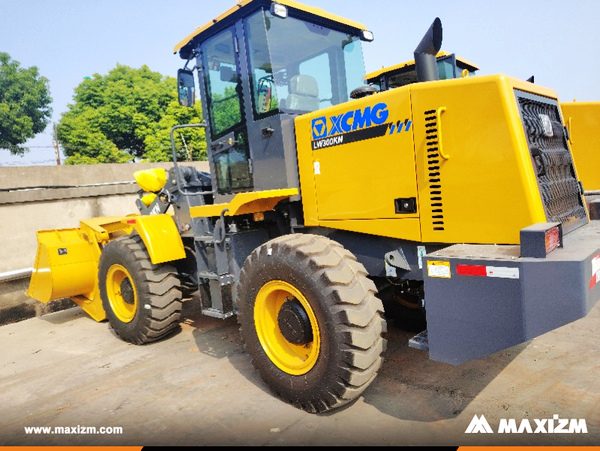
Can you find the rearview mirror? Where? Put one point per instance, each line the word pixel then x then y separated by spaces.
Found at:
pixel 186 90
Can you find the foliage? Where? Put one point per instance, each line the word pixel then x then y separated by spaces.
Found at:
pixel 24 104
pixel 226 109
pixel 125 116
pixel 189 142
pixel 87 144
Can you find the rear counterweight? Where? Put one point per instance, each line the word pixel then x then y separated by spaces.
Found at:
pixel 481 299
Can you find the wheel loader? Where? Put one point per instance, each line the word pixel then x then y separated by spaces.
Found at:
pixel 581 119
pixel 459 197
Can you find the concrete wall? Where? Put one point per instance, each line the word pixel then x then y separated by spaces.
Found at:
pixel 57 197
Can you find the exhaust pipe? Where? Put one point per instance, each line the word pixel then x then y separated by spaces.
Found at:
pixel 430 45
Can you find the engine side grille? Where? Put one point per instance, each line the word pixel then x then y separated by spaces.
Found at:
pixel 552 161
pixel 433 166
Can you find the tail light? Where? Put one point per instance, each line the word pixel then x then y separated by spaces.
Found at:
pixel 539 240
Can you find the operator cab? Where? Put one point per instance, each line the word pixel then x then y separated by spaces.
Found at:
pixel 260 65
pixel 449 66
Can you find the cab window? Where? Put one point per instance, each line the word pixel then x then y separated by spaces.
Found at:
pixel 222 83
pixel 229 144
pixel 262 82
pixel 316 69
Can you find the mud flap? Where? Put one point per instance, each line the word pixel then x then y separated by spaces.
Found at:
pixel 483 298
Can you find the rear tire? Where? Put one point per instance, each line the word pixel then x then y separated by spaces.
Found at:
pixel 310 321
pixel 142 300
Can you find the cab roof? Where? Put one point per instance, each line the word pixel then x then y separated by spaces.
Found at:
pixel 244 7
pixel 461 62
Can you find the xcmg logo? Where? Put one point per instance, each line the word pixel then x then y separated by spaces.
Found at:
pixel 555 425
pixel 349 121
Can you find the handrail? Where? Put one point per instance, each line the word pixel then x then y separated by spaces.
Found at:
pixel 221 228
pixel 177 176
pixel 438 115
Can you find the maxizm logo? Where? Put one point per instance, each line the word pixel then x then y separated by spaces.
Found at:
pixel 555 425
pixel 350 121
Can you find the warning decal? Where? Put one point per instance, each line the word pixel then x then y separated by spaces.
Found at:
pixel 438 269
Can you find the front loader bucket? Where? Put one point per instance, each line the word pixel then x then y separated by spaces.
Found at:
pixel 66 266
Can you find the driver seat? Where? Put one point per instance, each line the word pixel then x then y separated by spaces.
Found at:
pixel 304 93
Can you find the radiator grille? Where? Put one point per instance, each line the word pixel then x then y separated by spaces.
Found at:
pixel 552 161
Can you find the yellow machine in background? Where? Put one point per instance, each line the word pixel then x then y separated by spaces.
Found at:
pixel 583 123
pixel 449 65
pixel 328 201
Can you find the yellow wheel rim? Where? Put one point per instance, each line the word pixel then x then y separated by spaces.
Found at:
pixel 288 357
pixel 124 305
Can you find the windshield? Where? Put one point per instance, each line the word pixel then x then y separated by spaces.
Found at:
pixel 298 66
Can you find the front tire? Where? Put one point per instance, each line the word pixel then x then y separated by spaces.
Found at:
pixel 310 321
pixel 142 300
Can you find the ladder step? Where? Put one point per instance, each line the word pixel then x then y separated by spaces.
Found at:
pixel 419 341
pixel 208 275
pixel 205 238
pixel 214 313
pixel 209 239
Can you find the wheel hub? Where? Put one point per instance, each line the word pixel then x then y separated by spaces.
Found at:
pixel 294 323
pixel 127 291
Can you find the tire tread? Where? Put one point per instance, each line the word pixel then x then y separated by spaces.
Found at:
pixel 357 311
pixel 159 293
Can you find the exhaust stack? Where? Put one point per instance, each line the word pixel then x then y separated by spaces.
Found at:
pixel 430 45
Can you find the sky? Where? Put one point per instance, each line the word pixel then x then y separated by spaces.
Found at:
pixel 554 40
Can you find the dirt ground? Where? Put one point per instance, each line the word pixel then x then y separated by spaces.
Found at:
pixel 198 387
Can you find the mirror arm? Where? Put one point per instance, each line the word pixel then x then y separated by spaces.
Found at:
pixel 193 55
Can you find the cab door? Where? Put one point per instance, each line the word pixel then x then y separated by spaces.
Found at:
pixel 227 136
pixel 270 163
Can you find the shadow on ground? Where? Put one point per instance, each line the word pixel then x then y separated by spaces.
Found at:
pixel 409 386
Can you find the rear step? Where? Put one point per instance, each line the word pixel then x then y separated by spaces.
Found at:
pixel 419 341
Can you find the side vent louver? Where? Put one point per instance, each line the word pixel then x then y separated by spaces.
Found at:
pixel 433 166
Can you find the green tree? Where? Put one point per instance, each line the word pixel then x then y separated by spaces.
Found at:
pixel 190 143
pixel 122 117
pixel 226 109
pixel 24 104
pixel 84 142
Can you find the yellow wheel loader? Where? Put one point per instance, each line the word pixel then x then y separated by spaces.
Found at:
pixel 458 196
pixel 582 120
